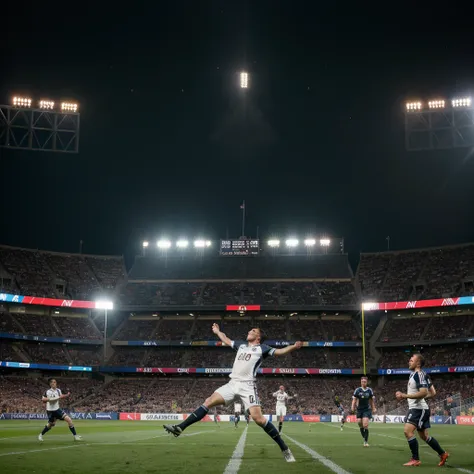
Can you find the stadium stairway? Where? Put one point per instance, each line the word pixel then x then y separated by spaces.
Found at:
pixel 21 353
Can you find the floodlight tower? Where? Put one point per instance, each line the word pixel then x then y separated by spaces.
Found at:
pixel 244 80
pixel 439 124
pixel 40 126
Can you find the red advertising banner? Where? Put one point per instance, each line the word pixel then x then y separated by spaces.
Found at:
pixel 465 420
pixel 130 416
pixel 391 305
pixel 242 308
pixel 311 418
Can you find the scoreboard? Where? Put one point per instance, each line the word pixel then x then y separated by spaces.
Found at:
pixel 240 248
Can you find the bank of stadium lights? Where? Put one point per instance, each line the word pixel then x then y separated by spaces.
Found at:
pixel 244 80
pixel 163 244
pixel 68 107
pixel 46 104
pixel 291 243
pixel 310 242
pixel 412 106
pixel 24 102
pixel 436 104
pixel 325 242
pixel 145 244
pixel 273 243
pixel 182 244
pixel 462 102
pixel 201 244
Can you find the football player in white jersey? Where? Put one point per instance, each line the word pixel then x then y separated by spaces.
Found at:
pixel 250 354
pixel 281 397
pixel 51 397
pixel 418 417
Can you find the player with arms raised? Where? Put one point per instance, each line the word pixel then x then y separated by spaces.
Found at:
pixel 281 397
pixel 418 418
pixel 51 397
pixel 341 410
pixel 364 398
pixel 250 355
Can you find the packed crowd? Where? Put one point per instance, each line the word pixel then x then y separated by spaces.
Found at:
pixel 56 275
pixel 417 274
pixel 278 293
pixel 312 395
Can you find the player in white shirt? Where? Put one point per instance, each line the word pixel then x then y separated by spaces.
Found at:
pixel 282 398
pixel 250 355
pixel 237 413
pixel 418 418
pixel 51 397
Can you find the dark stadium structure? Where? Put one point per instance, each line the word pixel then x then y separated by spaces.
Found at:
pixel 159 333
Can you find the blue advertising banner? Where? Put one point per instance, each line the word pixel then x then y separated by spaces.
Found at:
pixel 24 337
pixel 270 342
pixel 30 365
pixel 432 370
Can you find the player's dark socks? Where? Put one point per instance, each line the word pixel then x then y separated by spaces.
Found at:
pixel 280 426
pixel 270 429
pixel 45 429
pixel 413 443
pixel 433 444
pixel 362 432
pixel 366 435
pixel 73 430
pixel 195 416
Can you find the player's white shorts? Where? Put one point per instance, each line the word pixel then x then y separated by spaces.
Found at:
pixel 245 391
pixel 281 410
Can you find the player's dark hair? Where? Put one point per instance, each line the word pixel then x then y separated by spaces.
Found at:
pixel 262 334
pixel 421 359
pixel 365 377
pixel 50 380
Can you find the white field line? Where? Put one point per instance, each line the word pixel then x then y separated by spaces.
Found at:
pixel 235 461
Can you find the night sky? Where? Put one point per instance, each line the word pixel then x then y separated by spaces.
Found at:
pixel 171 146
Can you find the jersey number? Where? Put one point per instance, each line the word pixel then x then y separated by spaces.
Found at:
pixel 245 356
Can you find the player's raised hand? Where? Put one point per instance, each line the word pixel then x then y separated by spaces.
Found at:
pixel 298 344
pixel 215 328
pixel 398 395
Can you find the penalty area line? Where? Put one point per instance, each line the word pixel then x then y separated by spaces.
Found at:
pixel 319 457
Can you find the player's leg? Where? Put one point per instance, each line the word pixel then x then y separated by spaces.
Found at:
pixel 236 419
pixel 409 431
pixel 282 413
pixel 434 445
pixel 365 427
pixel 48 426
pixel 214 400
pixel 269 428
pixel 68 420
pixel 361 426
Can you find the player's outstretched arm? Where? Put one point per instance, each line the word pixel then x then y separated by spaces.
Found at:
pixel 422 393
pixel 221 335
pixel 288 349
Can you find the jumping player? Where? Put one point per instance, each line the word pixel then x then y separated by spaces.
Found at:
pixel 341 410
pixel 237 413
pixel 250 355
pixel 364 398
pixel 51 397
pixel 418 417
pixel 281 397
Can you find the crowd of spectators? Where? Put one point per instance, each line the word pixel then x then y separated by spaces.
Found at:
pixel 311 395
pixel 417 274
pixel 58 275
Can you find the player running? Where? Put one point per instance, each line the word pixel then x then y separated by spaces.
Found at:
pixel 418 417
pixel 364 398
pixel 341 410
pixel 51 397
pixel 250 355
pixel 281 397
pixel 237 413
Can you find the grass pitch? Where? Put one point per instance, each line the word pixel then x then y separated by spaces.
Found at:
pixel 143 447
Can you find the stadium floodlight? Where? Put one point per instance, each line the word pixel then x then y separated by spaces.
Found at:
pixel 325 242
pixel 292 242
pixel 163 244
pixel 274 243
pixel 182 244
pixel 199 244
pixel 310 242
pixel 413 106
pixel 436 104
pixel 21 102
pixel 46 104
pixel 244 80
pixel 104 304
pixel 145 244
pixel 68 107
pixel 208 243
pixel 462 102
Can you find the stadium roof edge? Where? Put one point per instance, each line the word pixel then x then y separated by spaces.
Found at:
pixel 419 249
pixel 68 254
